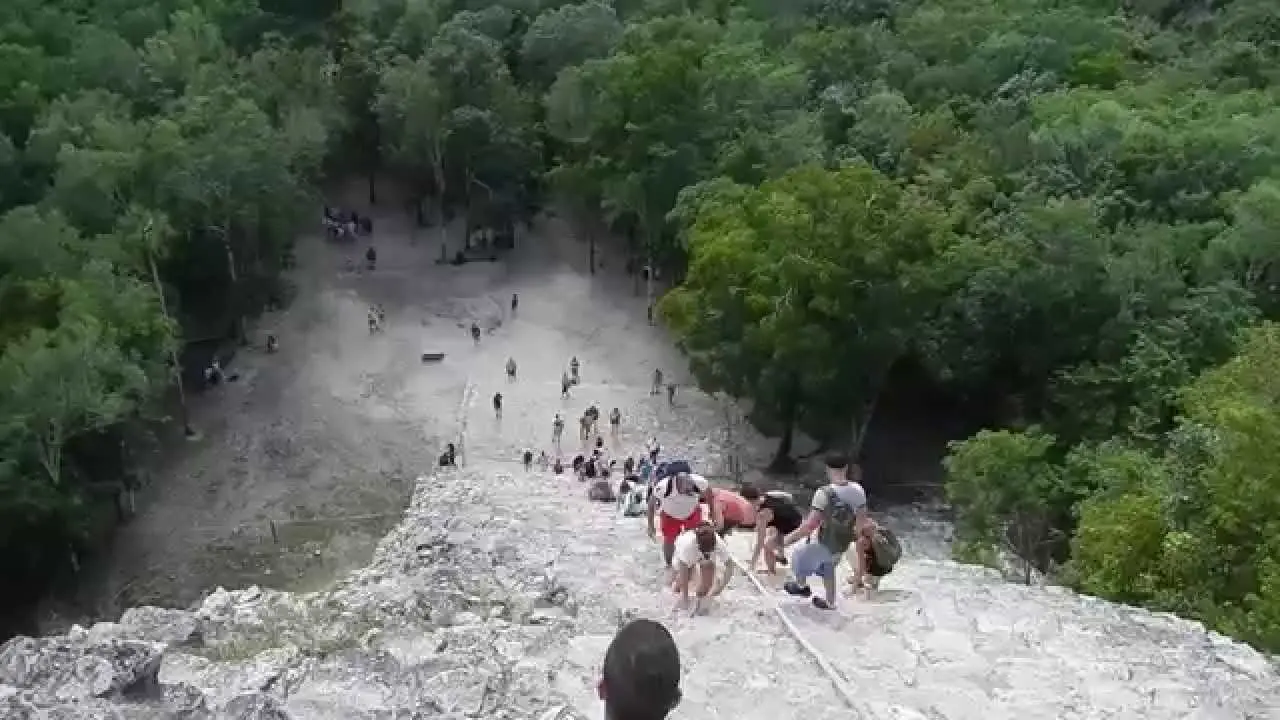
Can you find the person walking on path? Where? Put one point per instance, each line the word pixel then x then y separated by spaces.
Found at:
pixel 837 510
pixel 475 333
pixel 515 303
pixel 511 369
pixel 497 405
pixel 557 431
pixel 573 370
pixel 615 420
pixel 564 386
pixel 671 393
pixel 657 382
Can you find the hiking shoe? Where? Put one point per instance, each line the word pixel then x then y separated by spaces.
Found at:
pixel 821 604
pixel 795 588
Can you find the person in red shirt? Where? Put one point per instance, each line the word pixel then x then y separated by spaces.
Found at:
pixel 734 510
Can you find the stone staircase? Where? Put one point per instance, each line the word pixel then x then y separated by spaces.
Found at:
pixel 497 595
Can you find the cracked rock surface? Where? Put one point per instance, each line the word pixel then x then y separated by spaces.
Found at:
pixel 498 593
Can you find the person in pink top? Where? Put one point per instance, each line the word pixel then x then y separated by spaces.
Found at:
pixel 734 509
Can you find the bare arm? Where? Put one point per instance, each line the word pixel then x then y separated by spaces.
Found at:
pixel 725 577
pixel 683 578
pixel 811 523
pixel 763 517
pixel 859 561
pixel 708 497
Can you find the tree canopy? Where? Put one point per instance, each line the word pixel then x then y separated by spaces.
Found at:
pixel 1065 208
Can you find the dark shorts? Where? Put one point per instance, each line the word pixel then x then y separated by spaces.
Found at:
pixel 874 569
pixel 731 526
pixel 784 529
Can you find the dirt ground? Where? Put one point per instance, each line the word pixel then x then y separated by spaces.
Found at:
pixel 306 460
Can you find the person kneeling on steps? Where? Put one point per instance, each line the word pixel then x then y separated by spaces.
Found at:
pixel 698 552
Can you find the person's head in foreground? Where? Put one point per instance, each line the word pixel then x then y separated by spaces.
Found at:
pixel 641 675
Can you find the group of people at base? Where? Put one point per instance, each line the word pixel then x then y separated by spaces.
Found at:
pixel 836 525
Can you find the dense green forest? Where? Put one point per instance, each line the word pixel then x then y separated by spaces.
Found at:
pixel 1066 207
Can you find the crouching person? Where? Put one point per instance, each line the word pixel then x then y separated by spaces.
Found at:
pixel 874 554
pixel 698 552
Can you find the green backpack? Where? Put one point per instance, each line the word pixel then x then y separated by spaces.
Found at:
pixel 885 548
pixel 838 523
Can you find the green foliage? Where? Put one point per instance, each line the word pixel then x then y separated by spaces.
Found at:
pixel 568 36
pixel 1008 493
pixel 135 135
pixel 1208 548
pixel 804 292
pixel 1068 207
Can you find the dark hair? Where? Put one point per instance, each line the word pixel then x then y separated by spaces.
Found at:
pixel 837 460
pixel 706 535
pixel 641 673
pixel 749 492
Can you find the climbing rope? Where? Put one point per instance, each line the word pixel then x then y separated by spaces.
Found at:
pixel 833 675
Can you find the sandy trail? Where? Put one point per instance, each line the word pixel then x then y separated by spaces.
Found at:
pixel 323 439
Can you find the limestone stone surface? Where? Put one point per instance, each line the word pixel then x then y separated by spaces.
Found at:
pixel 496 597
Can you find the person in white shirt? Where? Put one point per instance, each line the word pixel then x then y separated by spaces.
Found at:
pixel 676 502
pixel 700 550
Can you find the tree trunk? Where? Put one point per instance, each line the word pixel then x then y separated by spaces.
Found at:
pixel 591 249
pixel 782 461
pixel 173 349
pixel 235 283
pixel 466 208
pixel 641 268
pixel 51 456
pixel 437 168
pixel 648 279
pixel 862 418
pixel 373 187
pixel 782 457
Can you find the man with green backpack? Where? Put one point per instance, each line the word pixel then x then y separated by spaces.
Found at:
pixel 836 512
